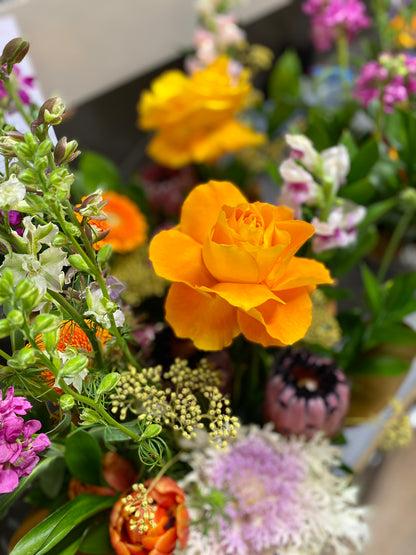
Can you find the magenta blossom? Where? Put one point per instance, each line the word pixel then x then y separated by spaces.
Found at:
pixel 331 19
pixel 24 86
pixel 18 446
pixel 391 78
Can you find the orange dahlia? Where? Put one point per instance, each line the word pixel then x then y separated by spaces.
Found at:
pixel 127 224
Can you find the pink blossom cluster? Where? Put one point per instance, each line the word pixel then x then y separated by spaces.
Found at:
pixel 24 85
pixel 18 446
pixel 333 18
pixel 391 78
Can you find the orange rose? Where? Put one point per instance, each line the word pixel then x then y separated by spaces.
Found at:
pixel 195 117
pixel 234 270
pixel 166 500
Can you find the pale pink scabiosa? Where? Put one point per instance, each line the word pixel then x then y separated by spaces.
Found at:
pixel 18 446
pixel 307 394
pixel 279 496
pixel 331 19
pixel 340 230
pixel 391 78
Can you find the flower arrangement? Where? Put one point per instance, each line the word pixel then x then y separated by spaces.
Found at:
pixel 181 357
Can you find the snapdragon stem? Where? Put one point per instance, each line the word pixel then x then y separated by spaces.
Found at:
pixel 8 85
pixel 100 410
pixel 394 242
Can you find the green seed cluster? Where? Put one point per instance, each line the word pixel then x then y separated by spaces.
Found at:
pixel 191 399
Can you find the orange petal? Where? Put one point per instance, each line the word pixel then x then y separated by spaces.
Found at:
pixel 302 271
pixel 169 153
pixel 242 295
pixel 230 263
pixel 178 257
pixel 202 206
pixel 208 320
pixel 285 323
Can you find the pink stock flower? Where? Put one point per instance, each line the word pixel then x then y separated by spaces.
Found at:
pixel 340 229
pixel 332 18
pixel 18 446
pixel 24 84
pixel 391 78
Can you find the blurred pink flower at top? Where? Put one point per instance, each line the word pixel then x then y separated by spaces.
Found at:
pixel 24 86
pixel 340 229
pixel 227 31
pixel 18 446
pixel 331 18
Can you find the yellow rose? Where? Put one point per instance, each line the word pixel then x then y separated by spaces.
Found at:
pixel 234 270
pixel 195 117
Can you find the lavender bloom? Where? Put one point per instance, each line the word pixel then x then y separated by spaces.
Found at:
pixel 333 18
pixel 18 447
pixel 279 497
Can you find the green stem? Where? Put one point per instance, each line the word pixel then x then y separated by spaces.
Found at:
pixel 79 319
pixel 4 355
pixel 100 410
pixel 8 85
pixel 163 470
pixel 343 52
pixel 394 242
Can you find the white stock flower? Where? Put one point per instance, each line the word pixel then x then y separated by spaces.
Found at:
pixel 100 309
pixel 336 165
pixel 340 229
pixel 304 151
pixel 12 194
pixel 299 186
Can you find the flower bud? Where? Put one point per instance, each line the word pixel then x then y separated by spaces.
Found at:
pixel 78 263
pixel 74 366
pixel 44 148
pixel 61 175
pixel 5 328
pixel 108 383
pixel 50 339
pixel 65 151
pixel 14 52
pixel 59 240
pixel 89 416
pixel 104 255
pixel 66 402
pixel 16 318
pixel 51 112
pixel 44 323
pixel 23 289
pixel 28 176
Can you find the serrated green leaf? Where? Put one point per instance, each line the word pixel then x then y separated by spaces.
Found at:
pixel 83 458
pixel 46 535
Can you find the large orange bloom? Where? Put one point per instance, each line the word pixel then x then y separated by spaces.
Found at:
pixel 171 520
pixel 234 270
pixel 126 224
pixel 195 116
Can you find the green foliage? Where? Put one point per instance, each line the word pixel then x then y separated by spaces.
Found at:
pixel 83 457
pixel 363 161
pixel 56 527
pixel 95 172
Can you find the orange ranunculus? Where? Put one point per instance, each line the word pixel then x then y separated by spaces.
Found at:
pixel 127 225
pixel 118 472
pixel 195 116
pixel 171 521
pixel 234 270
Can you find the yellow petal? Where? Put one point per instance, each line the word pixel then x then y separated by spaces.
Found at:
pixel 206 319
pixel 302 271
pixel 243 296
pixel 202 207
pixel 177 257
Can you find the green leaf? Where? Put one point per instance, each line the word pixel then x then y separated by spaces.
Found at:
pixel 361 191
pixel 97 539
pixel 363 161
pixel 372 289
pixel 399 298
pixel 285 77
pixel 382 365
pixel 396 334
pixel 99 172
pixel 71 543
pixel 109 434
pixel 46 535
pixel 83 457
pixel 348 141
pixel 52 481
pixel 378 209
pixel 7 499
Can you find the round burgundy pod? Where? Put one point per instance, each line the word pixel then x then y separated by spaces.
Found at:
pixel 306 394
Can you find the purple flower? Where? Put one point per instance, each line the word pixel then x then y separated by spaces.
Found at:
pixel 18 446
pixel 391 78
pixel 24 86
pixel 332 18
pixel 340 230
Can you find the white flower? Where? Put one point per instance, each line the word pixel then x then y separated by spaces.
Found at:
pixel 228 33
pixel 299 186
pixel 336 165
pixel 100 309
pixel 340 229
pixel 45 271
pixel 37 236
pixel 304 151
pixel 12 194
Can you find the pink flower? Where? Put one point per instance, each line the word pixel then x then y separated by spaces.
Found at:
pixel 18 446
pixel 332 18
pixel 340 230
pixel 298 187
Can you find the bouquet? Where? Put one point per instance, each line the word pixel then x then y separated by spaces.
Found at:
pixel 182 359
